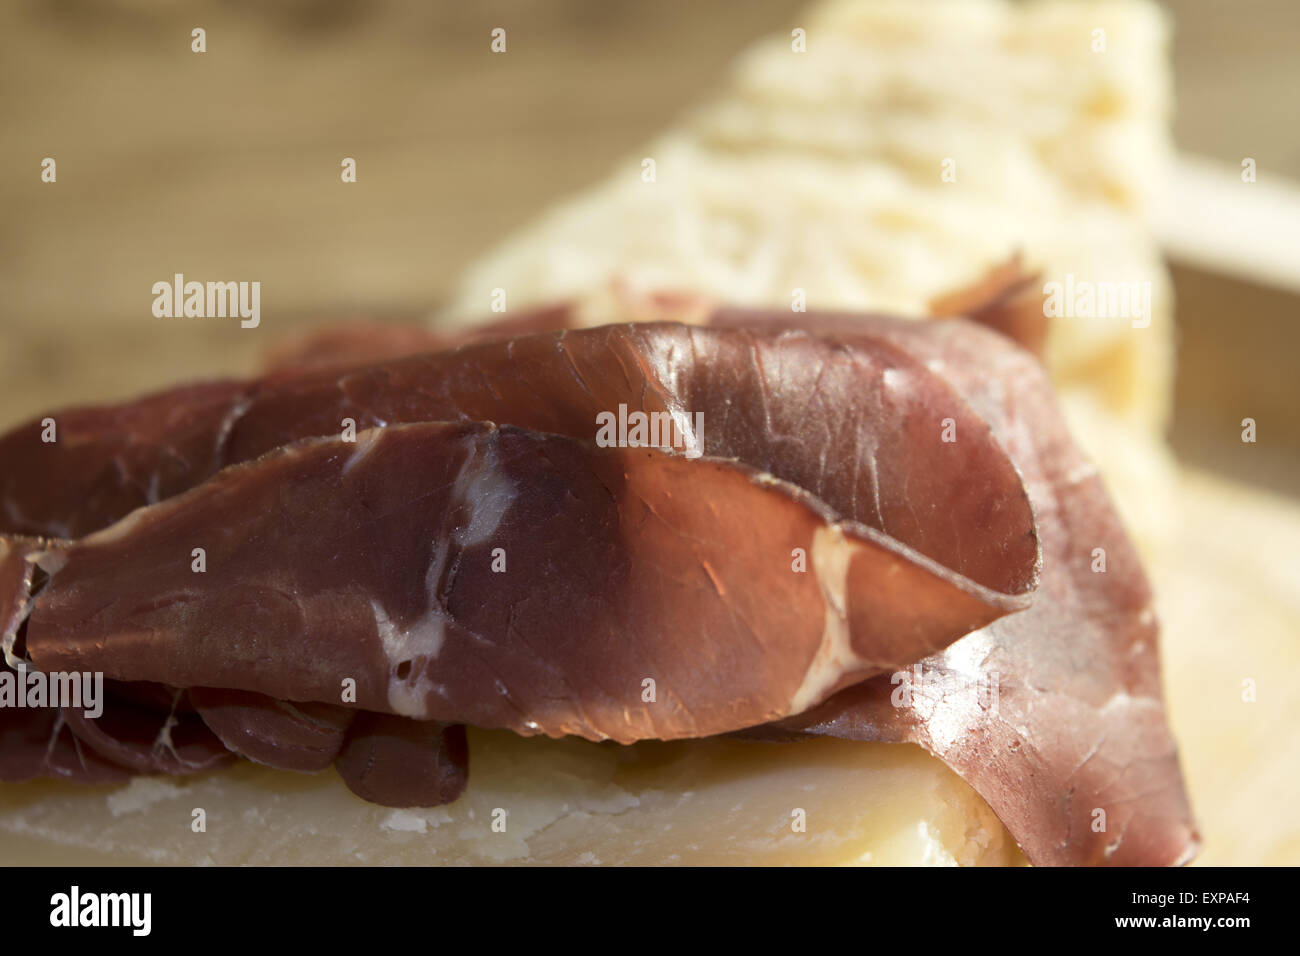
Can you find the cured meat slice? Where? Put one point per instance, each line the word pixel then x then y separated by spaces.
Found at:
pixel 93 465
pixel 391 761
pixel 1071 749
pixel 544 349
pixel 305 737
pixel 377 562
pixel 397 762
pixel 37 742
pixel 149 729
pixel 17 578
pixel 99 463
pixel 1008 300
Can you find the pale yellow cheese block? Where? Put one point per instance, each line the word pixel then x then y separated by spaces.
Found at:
pixel 566 802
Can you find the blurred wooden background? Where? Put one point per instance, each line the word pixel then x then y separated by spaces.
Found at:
pixel 226 165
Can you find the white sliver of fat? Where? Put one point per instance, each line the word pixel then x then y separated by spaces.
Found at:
pixel 830 556
pixel 482 487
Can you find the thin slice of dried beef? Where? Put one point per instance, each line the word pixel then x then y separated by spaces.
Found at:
pixel 743 597
pixel 1055 715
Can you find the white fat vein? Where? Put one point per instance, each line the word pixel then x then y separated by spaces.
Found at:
pixel 831 555
pixel 482 488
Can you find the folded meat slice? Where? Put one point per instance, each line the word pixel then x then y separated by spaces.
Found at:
pixel 37 742
pixel 1054 715
pixel 148 728
pixel 679 584
pixel 397 762
pixel 388 760
pixel 18 556
pixel 1008 300
pixel 512 579
pixel 305 737
pixel 78 470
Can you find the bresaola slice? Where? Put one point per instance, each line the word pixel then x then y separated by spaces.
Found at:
pixel 305 737
pixel 373 562
pixel 398 762
pixel 1054 715
pixel 78 470
pixel 148 728
pixel 1008 300
pixel 393 761
pixel 37 742
pixel 860 427
pixel 100 463
pixel 18 556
